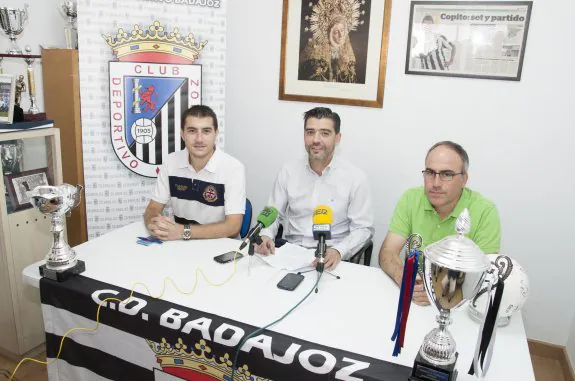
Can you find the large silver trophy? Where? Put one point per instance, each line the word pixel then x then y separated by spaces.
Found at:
pixel 57 201
pixel 69 9
pixel 12 21
pixel 453 271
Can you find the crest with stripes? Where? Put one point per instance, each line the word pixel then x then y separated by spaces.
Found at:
pixel 153 83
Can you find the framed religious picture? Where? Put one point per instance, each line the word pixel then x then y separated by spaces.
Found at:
pixel 21 184
pixel 472 39
pixel 334 51
pixel 7 97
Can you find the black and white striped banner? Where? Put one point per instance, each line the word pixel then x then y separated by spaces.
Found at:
pixel 151 339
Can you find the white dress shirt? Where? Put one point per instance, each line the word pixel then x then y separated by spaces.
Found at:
pixel 298 190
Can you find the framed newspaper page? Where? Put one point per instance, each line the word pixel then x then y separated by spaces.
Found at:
pixel 475 39
pixel 334 51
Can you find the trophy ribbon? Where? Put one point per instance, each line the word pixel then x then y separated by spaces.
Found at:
pixel 486 338
pixel 405 295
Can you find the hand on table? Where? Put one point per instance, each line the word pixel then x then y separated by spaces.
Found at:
pixel 419 294
pixel 331 260
pixel 165 229
pixel 267 247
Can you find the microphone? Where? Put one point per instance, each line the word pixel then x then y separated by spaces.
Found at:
pixel 322 219
pixel 265 219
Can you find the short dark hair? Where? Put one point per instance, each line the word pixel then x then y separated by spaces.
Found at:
pixel 455 147
pixel 323 112
pixel 200 111
pixel 428 18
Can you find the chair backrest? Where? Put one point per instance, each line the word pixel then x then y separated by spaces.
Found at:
pixel 363 253
pixel 247 221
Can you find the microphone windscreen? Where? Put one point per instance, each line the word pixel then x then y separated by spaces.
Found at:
pixel 322 215
pixel 268 216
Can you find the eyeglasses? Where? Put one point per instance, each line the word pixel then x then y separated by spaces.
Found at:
pixel 443 175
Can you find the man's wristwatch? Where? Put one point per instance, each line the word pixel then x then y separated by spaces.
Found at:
pixel 187 232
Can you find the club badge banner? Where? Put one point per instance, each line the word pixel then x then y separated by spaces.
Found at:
pixel 152 339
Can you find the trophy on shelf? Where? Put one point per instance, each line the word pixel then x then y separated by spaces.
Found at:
pixel 20 88
pixel 31 82
pixel 12 21
pixel 69 9
pixel 11 152
pixel 57 201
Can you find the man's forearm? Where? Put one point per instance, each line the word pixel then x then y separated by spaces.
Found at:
pixel 216 230
pixel 148 215
pixel 392 266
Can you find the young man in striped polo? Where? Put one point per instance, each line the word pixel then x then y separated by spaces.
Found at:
pixel 206 186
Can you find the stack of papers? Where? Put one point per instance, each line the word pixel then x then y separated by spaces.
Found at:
pixel 290 257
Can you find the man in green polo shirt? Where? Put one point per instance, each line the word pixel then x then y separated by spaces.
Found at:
pixel 431 211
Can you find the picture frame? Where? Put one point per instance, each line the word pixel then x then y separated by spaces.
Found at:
pixel 7 98
pixel 20 184
pixel 334 51
pixel 475 39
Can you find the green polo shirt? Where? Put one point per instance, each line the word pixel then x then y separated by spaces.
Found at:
pixel 415 214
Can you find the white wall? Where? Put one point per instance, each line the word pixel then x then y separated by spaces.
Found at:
pixel 518 135
pixel 45 27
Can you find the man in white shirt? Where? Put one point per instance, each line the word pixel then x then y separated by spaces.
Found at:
pixel 321 178
pixel 207 187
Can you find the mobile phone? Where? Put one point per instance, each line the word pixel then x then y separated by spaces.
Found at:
pixel 228 257
pixel 290 281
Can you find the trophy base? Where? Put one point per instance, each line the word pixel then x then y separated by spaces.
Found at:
pixel 35 117
pixel 63 275
pixel 424 371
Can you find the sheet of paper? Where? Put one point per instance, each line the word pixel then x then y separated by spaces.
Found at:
pixel 290 257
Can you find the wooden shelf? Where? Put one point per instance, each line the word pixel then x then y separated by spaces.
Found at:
pixel 62 104
pixel 25 238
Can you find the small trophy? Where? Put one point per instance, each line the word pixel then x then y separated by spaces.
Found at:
pixel 12 22
pixel 20 88
pixel 31 82
pixel 56 201
pixel 11 152
pixel 69 9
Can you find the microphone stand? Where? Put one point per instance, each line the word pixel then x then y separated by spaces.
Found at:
pixel 320 255
pixel 254 240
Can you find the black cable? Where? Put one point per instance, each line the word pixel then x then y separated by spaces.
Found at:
pixel 246 338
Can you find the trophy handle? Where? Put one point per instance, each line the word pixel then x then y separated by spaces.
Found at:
pixel 488 330
pixel 25 14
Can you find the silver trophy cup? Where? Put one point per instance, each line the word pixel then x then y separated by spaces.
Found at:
pixel 11 153
pixel 453 271
pixel 12 22
pixel 57 201
pixel 69 9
